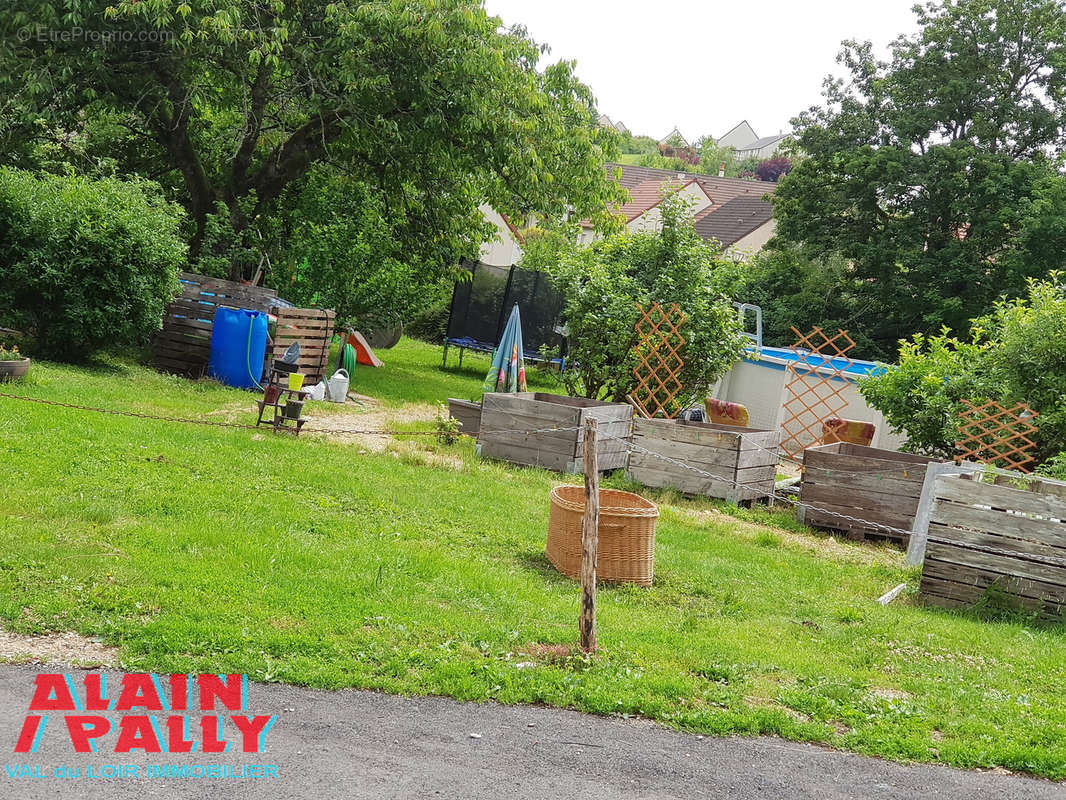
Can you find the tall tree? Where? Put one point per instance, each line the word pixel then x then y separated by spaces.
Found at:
pixel 431 102
pixel 927 171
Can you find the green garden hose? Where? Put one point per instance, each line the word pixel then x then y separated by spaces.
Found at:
pixel 248 358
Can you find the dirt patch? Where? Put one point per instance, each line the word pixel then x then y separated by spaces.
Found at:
pixel 343 427
pixel 64 648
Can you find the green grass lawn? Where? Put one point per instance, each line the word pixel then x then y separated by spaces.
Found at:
pixel 421 570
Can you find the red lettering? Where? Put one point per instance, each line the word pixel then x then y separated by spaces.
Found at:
pixel 179 692
pixel 84 729
pixel 30 726
pixel 230 691
pixel 211 728
pixel 176 735
pixel 95 694
pixel 137 733
pixel 51 694
pixel 251 730
pixel 138 689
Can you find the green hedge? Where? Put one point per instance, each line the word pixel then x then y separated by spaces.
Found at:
pixel 87 264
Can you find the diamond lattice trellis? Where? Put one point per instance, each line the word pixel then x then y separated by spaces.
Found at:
pixel 658 361
pixel 815 390
pixel 992 434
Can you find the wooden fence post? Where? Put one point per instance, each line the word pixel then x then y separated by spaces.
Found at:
pixel 590 525
pixel 920 528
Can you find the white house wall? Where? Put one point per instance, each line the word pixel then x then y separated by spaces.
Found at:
pixel 751 244
pixel 652 219
pixel 503 250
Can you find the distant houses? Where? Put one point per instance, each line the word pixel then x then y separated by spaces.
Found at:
pixel 734 213
pixel 747 144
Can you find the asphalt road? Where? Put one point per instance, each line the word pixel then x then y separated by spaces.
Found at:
pixel 353 744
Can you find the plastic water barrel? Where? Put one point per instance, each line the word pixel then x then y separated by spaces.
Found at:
pixel 233 351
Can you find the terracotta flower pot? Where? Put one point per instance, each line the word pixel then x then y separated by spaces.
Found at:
pixel 13 370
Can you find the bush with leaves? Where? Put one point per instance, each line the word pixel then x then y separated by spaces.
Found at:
pixel 87 263
pixel 1016 354
pixel 341 250
pixel 603 284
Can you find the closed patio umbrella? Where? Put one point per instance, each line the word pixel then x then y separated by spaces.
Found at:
pixel 508 370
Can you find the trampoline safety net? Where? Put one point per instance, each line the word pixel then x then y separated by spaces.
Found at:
pixel 481 306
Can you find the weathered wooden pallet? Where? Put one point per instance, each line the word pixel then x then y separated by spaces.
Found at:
pixel 870 484
pixel 741 462
pixel 508 417
pixel 1008 536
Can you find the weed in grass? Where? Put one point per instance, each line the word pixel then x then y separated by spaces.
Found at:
pixel 767 539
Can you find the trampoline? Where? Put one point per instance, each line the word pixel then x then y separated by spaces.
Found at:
pixel 480 307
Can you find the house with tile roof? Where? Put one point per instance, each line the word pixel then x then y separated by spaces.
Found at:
pixel 742 231
pixel 746 144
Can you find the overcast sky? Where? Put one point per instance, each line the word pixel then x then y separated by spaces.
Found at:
pixel 705 66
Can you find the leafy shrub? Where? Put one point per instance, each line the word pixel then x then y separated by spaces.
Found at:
pixel 1016 354
pixel 87 263
pixel 1054 467
pixel 603 283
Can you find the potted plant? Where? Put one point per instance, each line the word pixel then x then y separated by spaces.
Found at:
pixel 13 365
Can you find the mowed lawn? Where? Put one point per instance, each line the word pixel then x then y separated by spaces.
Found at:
pixel 421 570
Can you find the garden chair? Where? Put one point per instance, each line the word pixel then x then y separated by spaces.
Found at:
pixel 854 431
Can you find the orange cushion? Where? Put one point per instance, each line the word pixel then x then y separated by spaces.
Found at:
pixel 723 413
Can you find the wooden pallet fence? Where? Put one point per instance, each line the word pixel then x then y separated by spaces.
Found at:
pixel 867 483
pixel 313 329
pixel 505 415
pixel 742 461
pixel 183 346
pixel 1004 540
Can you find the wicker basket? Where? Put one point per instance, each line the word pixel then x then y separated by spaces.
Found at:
pixel 626 548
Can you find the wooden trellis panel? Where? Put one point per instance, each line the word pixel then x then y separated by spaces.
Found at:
pixel 815 392
pixel 659 363
pixel 992 434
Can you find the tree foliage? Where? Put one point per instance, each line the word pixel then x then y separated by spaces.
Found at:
pixel 798 290
pixel 603 283
pixel 773 169
pixel 86 264
pixel 934 173
pixel 429 102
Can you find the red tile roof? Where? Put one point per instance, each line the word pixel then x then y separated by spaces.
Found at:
pixel 720 190
pixel 649 194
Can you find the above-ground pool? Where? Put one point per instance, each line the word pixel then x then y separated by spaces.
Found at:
pixel 780 357
pixel 761 384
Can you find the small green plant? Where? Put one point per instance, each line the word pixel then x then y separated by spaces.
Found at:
pixel 447 426
pixel 1054 467
pixel 767 539
pixel 12 354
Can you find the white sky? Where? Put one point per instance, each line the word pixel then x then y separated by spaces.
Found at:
pixel 705 66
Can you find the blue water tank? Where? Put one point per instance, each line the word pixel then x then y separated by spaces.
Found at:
pixel 238 347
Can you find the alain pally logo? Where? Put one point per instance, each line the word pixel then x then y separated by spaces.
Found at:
pixel 147 713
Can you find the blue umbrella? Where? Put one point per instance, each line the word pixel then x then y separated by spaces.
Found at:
pixel 508 370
